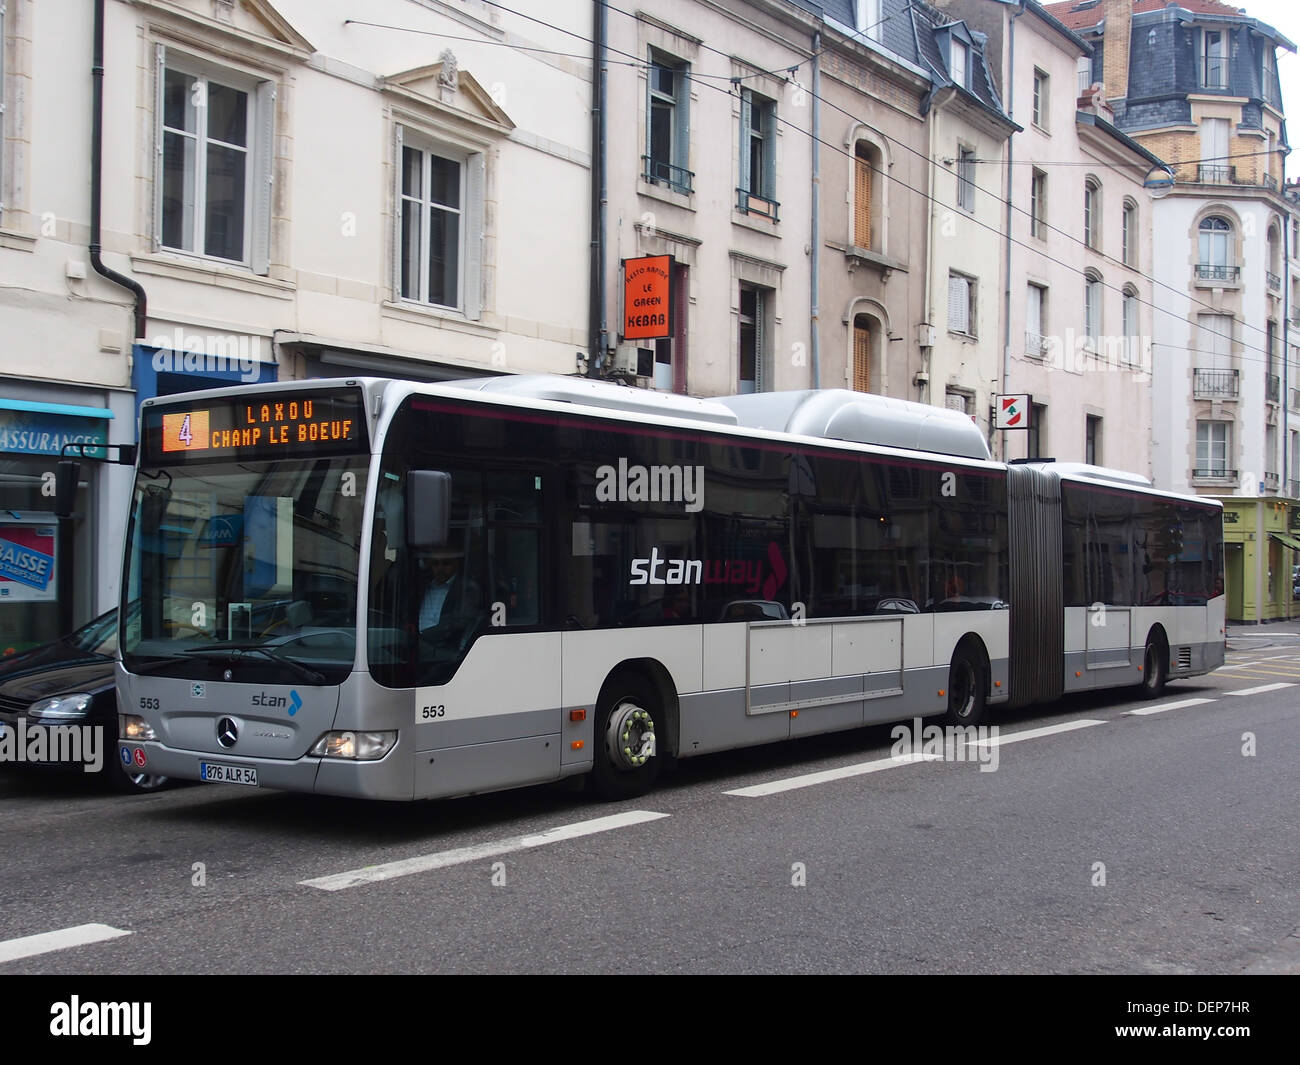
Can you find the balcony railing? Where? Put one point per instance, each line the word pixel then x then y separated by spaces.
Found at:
pixel 1216 174
pixel 660 172
pixel 1217 272
pixel 1269 182
pixel 1214 72
pixel 1035 345
pixel 753 203
pixel 1273 387
pixel 1215 384
pixel 1274 281
pixel 1217 473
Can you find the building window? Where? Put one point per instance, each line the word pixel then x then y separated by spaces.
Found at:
pixel 212 183
pixel 1132 348
pixel 1215 168
pixel 961 304
pixel 1084 70
pixel 432 230
pixel 1036 434
pixel 1038 204
pixel 668 128
pixel 1214 61
pixel 866 335
pixel 868 192
pixel 1092 293
pixel 966 179
pixel 1215 251
pixel 1129 235
pixel 757 192
pixel 1213 443
pixel 438 224
pixel 958 400
pixel 960 64
pixel 1092 214
pixel 755 357
pixel 1092 440
pixel 1040 99
pixel 866 19
pixel 1035 306
pixel 1267 77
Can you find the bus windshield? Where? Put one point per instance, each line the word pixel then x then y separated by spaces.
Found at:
pixel 247 566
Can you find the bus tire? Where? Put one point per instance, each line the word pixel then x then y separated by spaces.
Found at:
pixel 966 687
pixel 629 727
pixel 1155 669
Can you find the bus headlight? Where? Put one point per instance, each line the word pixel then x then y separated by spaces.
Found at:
pixel 358 746
pixel 61 708
pixel 130 727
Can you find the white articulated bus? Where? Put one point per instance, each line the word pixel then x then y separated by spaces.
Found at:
pixel 394 590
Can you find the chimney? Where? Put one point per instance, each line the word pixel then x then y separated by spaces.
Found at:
pixel 1115 46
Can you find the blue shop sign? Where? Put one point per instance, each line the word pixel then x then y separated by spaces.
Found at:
pixel 42 429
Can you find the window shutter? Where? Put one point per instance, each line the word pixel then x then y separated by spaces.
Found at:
pixel 397 212
pixel 769 151
pixel 264 186
pixel 862 203
pixel 746 107
pixel 958 304
pixel 861 359
pixel 473 218
pixel 760 342
pixel 159 82
pixel 682 134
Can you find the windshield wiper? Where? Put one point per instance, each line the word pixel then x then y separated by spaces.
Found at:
pixel 218 652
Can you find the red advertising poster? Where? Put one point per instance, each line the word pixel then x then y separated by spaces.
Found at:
pixel 646 302
pixel 27 555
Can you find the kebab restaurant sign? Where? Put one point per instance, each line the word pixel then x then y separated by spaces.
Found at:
pixel 646 297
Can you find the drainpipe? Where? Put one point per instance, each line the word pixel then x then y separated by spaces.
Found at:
pixel 1010 98
pixel 927 351
pixel 599 325
pixel 815 313
pixel 96 164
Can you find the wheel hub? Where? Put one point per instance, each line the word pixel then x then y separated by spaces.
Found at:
pixel 630 737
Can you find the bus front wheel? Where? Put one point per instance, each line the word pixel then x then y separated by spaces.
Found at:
pixel 627 758
pixel 965 688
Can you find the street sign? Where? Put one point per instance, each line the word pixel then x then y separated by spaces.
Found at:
pixel 1012 412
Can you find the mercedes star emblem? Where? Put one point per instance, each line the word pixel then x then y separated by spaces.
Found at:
pixel 227 732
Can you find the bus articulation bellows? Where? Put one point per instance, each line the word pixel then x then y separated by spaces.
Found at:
pixel 394 590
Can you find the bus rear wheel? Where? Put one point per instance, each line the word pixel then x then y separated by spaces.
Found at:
pixel 965 688
pixel 1154 670
pixel 626 757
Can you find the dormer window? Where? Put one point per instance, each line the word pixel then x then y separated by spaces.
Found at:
pixel 959 64
pixel 866 15
pixel 1214 60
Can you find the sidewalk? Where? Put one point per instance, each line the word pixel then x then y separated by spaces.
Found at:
pixel 1270 634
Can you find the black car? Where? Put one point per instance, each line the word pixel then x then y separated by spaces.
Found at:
pixel 70 682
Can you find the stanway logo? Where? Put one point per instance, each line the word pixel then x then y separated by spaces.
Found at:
pixel 746 574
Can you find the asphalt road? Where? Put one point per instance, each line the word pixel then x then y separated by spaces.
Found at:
pixel 1106 841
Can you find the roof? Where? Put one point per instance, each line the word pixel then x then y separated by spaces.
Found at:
pixel 931 25
pixel 1084 14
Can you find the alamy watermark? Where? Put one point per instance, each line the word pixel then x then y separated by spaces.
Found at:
pixel 951 743
pixel 208 353
pixel 626 483
pixel 61 744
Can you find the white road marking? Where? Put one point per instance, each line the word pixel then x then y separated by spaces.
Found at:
pixel 807 780
pixel 1035 733
pixel 1261 689
pixel 441 860
pixel 1160 708
pixel 45 942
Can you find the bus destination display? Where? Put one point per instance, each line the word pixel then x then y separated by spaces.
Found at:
pixel 285 425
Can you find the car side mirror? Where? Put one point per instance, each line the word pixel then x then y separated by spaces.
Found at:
pixel 428 508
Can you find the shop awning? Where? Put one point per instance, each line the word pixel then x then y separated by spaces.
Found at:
pixel 1289 541
pixel 70 410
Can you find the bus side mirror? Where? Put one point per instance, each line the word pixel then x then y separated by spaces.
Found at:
pixel 66 476
pixel 428 508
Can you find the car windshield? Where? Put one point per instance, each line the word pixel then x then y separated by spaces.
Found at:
pixel 252 563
